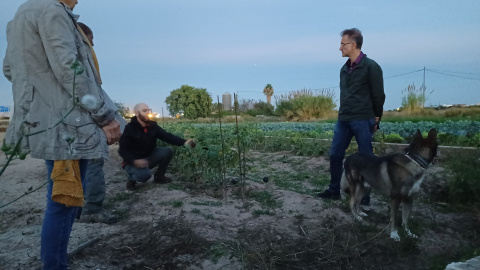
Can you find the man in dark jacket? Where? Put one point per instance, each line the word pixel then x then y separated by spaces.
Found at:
pixel 138 148
pixel 361 107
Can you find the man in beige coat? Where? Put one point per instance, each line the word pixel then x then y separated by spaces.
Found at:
pixel 71 123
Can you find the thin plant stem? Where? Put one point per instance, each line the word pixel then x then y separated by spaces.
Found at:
pixel 223 148
pixel 242 174
pixel 24 194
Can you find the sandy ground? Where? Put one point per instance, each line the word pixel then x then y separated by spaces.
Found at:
pixel 187 226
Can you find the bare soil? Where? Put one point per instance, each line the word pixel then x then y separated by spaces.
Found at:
pixel 185 225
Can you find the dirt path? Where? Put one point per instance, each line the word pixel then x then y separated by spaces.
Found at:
pixel 189 226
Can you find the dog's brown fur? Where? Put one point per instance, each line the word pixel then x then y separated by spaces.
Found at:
pixel 398 176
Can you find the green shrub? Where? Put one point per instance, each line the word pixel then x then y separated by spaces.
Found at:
pixel 394 138
pixel 464 187
pixel 304 105
pixel 261 108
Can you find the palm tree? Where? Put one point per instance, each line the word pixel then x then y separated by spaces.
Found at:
pixel 268 91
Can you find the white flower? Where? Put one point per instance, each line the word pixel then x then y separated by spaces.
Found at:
pixel 90 102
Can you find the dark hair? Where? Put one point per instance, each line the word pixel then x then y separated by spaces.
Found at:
pixel 355 35
pixel 86 30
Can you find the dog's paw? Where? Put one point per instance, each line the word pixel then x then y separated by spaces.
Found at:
pixel 410 234
pixel 394 235
pixel 363 214
pixel 358 218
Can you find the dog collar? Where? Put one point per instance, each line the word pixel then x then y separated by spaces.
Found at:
pixel 418 160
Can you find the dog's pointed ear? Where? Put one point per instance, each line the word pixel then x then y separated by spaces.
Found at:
pixel 432 135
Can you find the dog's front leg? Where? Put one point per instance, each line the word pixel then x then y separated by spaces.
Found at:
pixel 359 193
pixel 393 219
pixel 406 207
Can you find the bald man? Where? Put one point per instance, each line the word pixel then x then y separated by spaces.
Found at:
pixel 138 148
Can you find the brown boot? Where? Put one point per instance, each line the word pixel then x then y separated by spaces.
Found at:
pixel 161 179
pixel 131 185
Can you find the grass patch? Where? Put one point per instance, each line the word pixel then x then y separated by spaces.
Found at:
pixel 122 214
pixel 207 203
pixel 286 182
pixel 175 186
pixel 173 203
pixel 216 251
pixel 265 198
pixel 199 212
pixel 259 212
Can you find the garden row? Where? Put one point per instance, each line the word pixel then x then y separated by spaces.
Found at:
pixel 225 151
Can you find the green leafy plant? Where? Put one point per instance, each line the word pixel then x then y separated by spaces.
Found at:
pixel 464 187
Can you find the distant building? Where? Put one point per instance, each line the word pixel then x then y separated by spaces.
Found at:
pixel 227 101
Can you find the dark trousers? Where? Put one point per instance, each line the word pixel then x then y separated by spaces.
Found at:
pixel 160 157
pixel 95 187
pixel 363 132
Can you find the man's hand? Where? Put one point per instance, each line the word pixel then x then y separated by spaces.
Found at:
pixel 112 131
pixel 190 142
pixel 140 163
pixel 376 126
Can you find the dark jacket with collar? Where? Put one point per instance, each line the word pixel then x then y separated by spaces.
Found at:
pixel 361 92
pixel 138 142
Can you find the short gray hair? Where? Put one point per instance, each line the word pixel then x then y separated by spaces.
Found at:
pixel 355 35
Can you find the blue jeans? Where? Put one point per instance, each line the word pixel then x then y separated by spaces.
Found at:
pixel 94 187
pixel 160 157
pixel 363 132
pixel 57 225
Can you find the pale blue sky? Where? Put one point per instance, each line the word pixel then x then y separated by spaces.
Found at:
pixel 148 48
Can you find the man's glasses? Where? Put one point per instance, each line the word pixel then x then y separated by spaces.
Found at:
pixel 343 44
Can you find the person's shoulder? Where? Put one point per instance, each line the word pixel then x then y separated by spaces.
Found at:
pixel 129 125
pixel 369 61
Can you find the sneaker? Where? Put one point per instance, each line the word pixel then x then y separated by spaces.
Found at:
pixel 131 185
pixel 162 179
pixel 327 194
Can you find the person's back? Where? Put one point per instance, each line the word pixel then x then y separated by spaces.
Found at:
pixel 42 45
pixel 55 121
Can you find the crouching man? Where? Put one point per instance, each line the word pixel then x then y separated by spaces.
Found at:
pixel 138 148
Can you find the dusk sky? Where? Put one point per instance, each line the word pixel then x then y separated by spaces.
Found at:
pixel 148 48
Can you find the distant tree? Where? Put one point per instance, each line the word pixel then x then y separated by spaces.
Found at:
pixel 122 109
pixel 192 102
pixel 268 91
pixel 261 108
pixel 245 105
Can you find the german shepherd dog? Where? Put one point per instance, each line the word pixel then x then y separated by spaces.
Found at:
pixel 398 176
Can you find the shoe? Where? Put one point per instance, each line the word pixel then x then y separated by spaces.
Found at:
pixel 162 179
pixel 131 185
pixel 327 194
pixel 101 217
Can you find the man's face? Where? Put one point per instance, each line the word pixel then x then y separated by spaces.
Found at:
pixel 143 112
pixel 347 46
pixel 70 3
